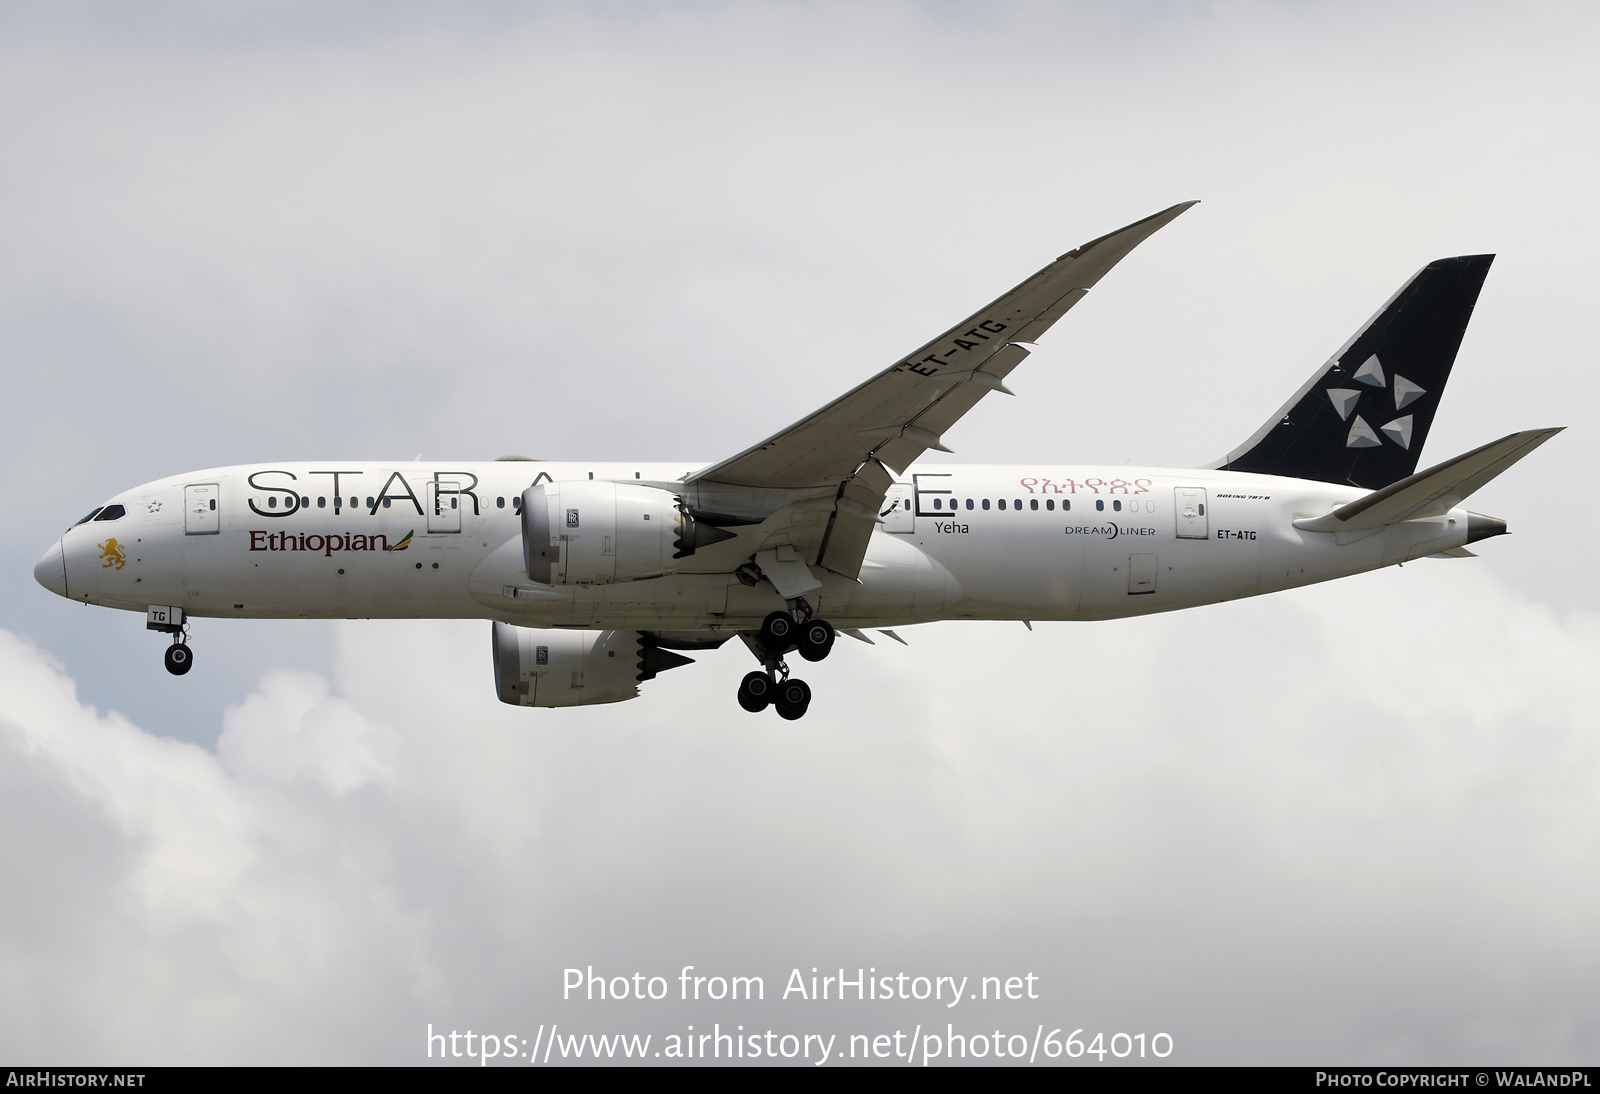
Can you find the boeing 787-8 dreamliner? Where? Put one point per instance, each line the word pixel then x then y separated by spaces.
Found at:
pixel 598 576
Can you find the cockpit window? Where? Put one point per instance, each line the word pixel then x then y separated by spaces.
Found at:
pixel 112 512
pixel 92 514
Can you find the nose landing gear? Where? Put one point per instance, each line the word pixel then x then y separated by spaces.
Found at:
pixel 178 658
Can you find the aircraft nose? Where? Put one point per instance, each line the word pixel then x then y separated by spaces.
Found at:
pixel 51 570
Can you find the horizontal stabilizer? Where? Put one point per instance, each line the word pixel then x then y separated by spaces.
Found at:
pixel 1433 492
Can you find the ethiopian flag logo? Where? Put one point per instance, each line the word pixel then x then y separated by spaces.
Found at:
pixel 403 544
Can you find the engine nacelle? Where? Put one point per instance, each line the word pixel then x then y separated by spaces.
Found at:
pixel 595 533
pixel 538 668
pixel 550 668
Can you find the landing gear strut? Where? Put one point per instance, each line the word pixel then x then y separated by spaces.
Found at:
pixel 771 685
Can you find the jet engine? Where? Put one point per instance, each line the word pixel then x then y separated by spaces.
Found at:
pixel 548 668
pixel 596 533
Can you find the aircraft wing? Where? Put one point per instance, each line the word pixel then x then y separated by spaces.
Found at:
pixel 843 458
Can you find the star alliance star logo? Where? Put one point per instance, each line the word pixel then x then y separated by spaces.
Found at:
pixel 153 507
pixel 1363 435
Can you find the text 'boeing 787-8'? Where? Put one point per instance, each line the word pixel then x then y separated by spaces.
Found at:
pixel 595 576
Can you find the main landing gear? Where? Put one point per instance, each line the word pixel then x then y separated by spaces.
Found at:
pixel 771 685
pixel 178 658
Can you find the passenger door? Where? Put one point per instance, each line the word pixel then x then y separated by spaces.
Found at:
pixel 444 506
pixel 896 510
pixel 201 515
pixel 1190 510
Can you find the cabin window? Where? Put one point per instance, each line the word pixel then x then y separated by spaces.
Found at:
pixel 986 503
pixel 92 514
pixel 938 503
pixel 1050 503
pixel 969 503
pixel 386 502
pixel 112 512
pixel 213 505
pixel 499 503
pixel 1002 503
pixel 1117 505
pixel 1201 507
pixel 1098 504
pixel 272 501
pixel 306 502
pixel 1033 503
pixel 371 504
pixel 322 503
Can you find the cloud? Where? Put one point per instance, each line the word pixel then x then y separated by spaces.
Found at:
pixel 1346 823
pixel 291 730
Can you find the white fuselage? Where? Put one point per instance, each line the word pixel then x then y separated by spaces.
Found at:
pixel 958 542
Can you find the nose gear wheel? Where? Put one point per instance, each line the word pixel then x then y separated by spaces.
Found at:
pixel 178 659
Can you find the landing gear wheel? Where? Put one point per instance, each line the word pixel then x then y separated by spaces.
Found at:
pixel 777 631
pixel 178 659
pixel 792 699
pixel 755 692
pixel 816 639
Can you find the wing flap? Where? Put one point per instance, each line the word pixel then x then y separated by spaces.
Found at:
pixel 855 517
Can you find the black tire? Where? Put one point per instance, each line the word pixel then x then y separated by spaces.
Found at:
pixel 755 692
pixel 777 631
pixel 178 659
pixel 792 699
pixel 816 639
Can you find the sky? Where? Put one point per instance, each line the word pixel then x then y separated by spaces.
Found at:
pixel 1354 823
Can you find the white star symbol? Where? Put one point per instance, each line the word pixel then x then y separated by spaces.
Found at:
pixel 155 507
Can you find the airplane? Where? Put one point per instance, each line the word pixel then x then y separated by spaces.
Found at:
pixel 598 576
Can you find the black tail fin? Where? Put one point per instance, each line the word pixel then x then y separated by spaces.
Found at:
pixel 1363 417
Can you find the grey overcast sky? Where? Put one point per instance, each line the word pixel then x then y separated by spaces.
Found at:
pixel 1356 823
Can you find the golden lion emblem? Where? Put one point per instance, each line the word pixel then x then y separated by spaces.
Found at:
pixel 113 554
